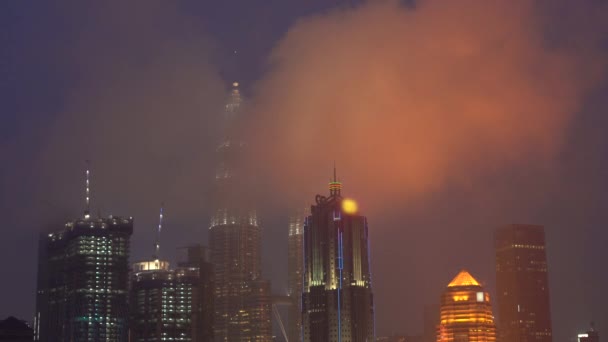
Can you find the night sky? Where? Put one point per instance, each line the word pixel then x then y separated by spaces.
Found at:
pixel 446 120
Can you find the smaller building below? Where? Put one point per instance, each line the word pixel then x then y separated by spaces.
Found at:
pixel 590 336
pixel 13 329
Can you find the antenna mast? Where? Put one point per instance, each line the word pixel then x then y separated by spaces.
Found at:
pixel 87 208
pixel 160 227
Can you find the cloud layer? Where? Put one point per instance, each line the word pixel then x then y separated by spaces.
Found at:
pixel 405 99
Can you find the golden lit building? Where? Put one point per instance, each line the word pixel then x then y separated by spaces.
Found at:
pixel 466 312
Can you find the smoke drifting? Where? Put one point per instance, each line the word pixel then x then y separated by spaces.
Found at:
pixel 407 99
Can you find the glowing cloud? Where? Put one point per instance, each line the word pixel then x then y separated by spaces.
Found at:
pixel 406 99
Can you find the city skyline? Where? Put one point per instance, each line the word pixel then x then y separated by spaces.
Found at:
pixel 468 123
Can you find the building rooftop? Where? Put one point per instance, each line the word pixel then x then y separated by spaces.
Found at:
pixel 463 278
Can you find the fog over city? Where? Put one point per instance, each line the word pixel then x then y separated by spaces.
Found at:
pixel 445 120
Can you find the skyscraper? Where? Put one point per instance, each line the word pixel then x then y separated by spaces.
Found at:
pixel 590 336
pixel 152 302
pixel 337 295
pixel 197 258
pixel 83 272
pixel 522 285
pixel 171 304
pixel 466 312
pixel 295 269
pixel 235 245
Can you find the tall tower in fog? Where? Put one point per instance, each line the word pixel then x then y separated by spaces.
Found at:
pixel 295 269
pixel 466 312
pixel 83 271
pixel 337 295
pixel 522 284
pixel 242 299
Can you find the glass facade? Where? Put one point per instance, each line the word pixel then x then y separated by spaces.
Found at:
pixel 171 304
pixel 82 281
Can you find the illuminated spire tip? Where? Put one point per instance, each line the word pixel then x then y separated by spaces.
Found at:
pixel 160 227
pixel 87 198
pixel 335 187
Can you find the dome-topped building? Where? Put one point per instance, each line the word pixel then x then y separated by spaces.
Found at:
pixel 466 312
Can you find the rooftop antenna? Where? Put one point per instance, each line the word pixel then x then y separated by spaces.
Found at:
pixel 335 177
pixel 87 208
pixel 334 186
pixel 160 226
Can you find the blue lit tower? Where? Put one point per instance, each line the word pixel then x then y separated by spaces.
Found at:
pixel 242 307
pixel 337 295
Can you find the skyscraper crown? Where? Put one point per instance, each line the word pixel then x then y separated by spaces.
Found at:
pixel 463 278
pixel 335 187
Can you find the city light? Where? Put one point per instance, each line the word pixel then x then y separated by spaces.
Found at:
pixel 349 206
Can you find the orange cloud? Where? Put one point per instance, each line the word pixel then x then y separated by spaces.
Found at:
pixel 407 99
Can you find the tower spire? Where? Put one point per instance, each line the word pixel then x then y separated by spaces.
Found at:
pixel 335 177
pixel 160 226
pixel 87 198
pixel 335 187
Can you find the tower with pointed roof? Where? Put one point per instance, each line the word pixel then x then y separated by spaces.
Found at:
pixel 242 308
pixel 466 312
pixel 337 299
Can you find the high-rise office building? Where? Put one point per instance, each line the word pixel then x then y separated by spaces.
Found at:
pixel 166 303
pixel 171 304
pixel 153 303
pixel 295 270
pixel 590 336
pixel 466 312
pixel 337 295
pixel 235 239
pixel 522 285
pixel 83 272
pixel 197 259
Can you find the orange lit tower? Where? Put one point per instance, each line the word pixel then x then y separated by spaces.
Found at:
pixel 337 300
pixel 466 312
